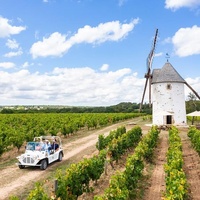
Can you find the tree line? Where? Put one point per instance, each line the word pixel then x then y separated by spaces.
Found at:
pixel 192 104
pixel 124 107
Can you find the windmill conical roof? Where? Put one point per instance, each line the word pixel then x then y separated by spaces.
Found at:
pixel 166 74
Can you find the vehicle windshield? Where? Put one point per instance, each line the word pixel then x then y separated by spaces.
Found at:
pixel 34 146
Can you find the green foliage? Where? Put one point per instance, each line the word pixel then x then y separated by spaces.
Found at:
pixel 104 141
pixel 176 185
pixel 123 184
pixel 17 139
pixel 117 188
pixel 15 129
pixel 13 198
pixel 96 167
pixel 124 107
pixel 194 135
pixel 101 144
pixel 77 177
pixel 147 118
pixel 151 140
pixel 192 104
pixel 119 145
pixel 133 171
pixel 7 111
pixel 2 147
pixel 38 193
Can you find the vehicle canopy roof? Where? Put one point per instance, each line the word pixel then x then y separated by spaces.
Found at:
pixel 48 138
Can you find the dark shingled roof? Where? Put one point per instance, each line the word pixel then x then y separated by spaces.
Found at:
pixel 166 74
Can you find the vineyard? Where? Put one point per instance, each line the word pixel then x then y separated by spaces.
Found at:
pixel 15 129
pixel 130 163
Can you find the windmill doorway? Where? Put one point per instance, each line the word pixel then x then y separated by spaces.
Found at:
pixel 169 119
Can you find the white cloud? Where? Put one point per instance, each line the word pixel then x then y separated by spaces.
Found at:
pixel 25 65
pixel 110 31
pixel 12 44
pixel 186 41
pixel 6 29
pixel 104 67
pixel 176 4
pixel 13 53
pixel 71 86
pixel 7 65
pixel 74 86
pixel 57 44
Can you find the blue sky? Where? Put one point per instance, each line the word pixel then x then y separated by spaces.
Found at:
pixel 92 52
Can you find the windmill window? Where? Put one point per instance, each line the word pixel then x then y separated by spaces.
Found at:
pixel 169 86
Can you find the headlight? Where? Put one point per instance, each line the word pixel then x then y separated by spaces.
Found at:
pixel 21 157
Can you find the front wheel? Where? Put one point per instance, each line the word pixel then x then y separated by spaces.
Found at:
pixel 60 157
pixel 44 164
pixel 21 166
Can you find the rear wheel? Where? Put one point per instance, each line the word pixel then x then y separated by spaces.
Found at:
pixel 44 164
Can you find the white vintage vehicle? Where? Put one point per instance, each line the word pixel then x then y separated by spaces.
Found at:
pixel 41 152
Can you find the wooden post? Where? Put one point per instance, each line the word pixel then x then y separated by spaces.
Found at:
pixel 55 185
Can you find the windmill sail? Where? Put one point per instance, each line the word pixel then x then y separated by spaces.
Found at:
pixel 151 54
pixel 193 90
pixel 148 74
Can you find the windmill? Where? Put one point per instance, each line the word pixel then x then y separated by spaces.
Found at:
pixel 168 92
pixel 148 75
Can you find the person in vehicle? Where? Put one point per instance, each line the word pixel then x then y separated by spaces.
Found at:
pixel 54 145
pixel 37 146
pixel 30 146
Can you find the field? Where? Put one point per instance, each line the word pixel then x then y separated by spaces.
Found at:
pixel 78 146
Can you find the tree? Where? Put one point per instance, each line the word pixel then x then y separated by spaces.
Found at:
pixel 17 139
pixel 192 106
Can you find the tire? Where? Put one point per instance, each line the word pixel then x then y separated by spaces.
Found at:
pixel 60 156
pixel 44 164
pixel 21 166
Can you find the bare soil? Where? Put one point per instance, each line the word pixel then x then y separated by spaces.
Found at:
pixel 156 184
pixel 19 182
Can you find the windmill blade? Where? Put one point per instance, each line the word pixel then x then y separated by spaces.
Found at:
pixel 145 87
pixel 151 54
pixel 193 90
pixel 150 78
pixel 150 60
pixel 148 75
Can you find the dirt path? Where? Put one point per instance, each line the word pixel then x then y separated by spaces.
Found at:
pixel 157 181
pixel 14 181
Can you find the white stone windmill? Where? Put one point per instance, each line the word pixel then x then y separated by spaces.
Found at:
pixel 166 87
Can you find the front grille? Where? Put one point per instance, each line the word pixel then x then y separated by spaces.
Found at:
pixel 28 160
